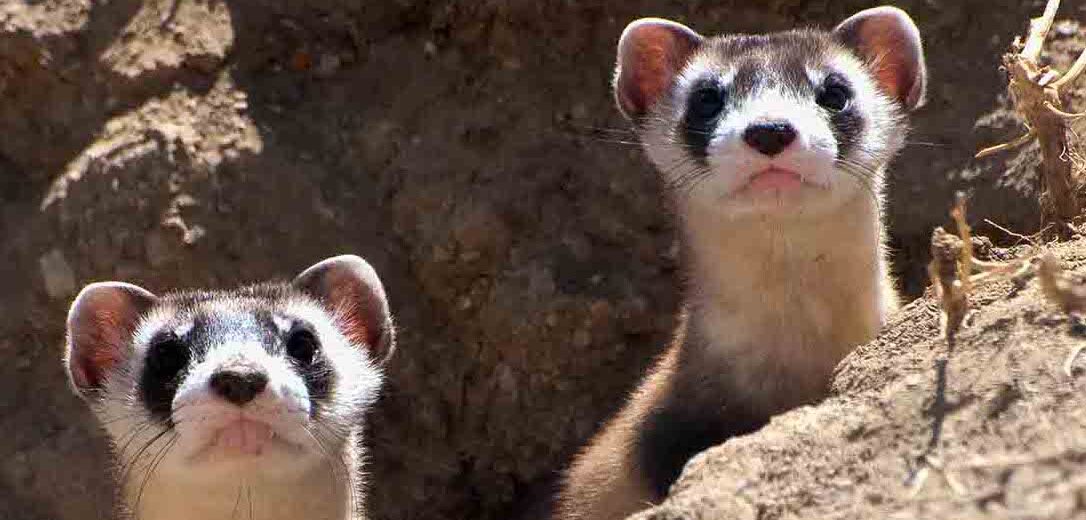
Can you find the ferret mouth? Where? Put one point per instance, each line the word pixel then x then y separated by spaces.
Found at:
pixel 243 438
pixel 775 180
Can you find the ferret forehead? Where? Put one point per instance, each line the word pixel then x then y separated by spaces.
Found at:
pixel 209 315
pixel 785 59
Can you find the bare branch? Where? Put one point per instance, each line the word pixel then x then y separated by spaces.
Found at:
pixel 965 258
pixel 1025 139
pixel 1070 75
pixel 1069 363
pixel 1052 108
pixel 1038 31
pixel 1019 236
pixel 944 270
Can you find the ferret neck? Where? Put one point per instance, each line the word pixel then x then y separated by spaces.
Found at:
pixel 779 302
pixel 316 495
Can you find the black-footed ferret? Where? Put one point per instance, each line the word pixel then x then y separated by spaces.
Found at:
pixel 246 403
pixel 775 147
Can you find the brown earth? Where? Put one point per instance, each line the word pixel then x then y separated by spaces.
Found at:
pixel 993 428
pixel 469 150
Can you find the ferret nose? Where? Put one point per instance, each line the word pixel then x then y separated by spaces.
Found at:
pixel 238 386
pixel 770 138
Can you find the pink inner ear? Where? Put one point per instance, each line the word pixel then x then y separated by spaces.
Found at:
pixel 99 350
pixel 349 288
pixel 652 75
pixel 651 55
pixel 889 42
pixel 891 69
pixel 89 369
pixel 100 323
pixel 349 316
pixel 356 312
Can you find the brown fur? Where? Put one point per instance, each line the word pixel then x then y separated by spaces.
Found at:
pixel 778 291
pixel 736 388
pixel 604 482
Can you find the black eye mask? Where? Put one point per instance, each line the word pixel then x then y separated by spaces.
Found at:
pixel 166 363
pixel 704 108
pixel 836 96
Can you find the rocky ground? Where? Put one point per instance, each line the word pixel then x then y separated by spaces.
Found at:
pixel 471 152
pixel 994 427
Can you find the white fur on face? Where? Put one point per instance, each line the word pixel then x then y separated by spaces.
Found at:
pixel 200 414
pixel 182 462
pixel 717 184
pixel 783 284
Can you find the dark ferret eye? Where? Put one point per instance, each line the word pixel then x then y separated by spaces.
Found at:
pixel 706 102
pixel 167 356
pixel 834 94
pixel 302 345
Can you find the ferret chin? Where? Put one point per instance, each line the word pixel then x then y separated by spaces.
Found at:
pixel 774 148
pixel 245 403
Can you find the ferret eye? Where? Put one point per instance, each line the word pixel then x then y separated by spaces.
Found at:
pixel 834 94
pixel 167 356
pixel 302 346
pixel 706 102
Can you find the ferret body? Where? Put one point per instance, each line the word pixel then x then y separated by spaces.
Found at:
pixel 245 403
pixel 775 147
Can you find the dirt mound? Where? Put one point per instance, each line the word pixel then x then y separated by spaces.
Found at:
pixel 992 429
pixel 470 151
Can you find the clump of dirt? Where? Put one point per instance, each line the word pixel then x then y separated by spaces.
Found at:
pixel 470 151
pixel 989 429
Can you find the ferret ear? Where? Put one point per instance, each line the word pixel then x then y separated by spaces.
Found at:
pixel 101 322
pixel 889 42
pixel 651 53
pixel 348 287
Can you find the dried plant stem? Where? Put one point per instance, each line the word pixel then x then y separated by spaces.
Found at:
pixel 1036 93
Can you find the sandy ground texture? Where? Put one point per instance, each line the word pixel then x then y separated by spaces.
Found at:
pixel 470 151
pixel 993 428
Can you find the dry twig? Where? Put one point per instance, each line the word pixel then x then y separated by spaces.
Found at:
pixel 949 289
pixel 1021 238
pixel 1069 363
pixel 1036 92
pixel 954 271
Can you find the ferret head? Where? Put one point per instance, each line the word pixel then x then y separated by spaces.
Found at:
pixel 263 382
pixel 786 124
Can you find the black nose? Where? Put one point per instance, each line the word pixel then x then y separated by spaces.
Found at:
pixel 769 138
pixel 238 387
